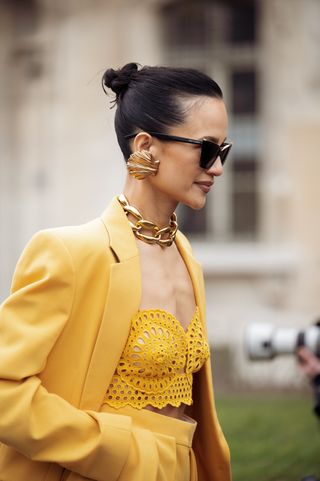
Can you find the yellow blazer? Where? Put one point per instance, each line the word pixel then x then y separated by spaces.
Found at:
pixel 62 332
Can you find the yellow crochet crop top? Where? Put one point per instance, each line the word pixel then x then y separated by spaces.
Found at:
pixel 158 361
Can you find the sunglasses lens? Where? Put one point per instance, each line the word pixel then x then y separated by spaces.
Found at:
pixel 209 153
pixel 225 149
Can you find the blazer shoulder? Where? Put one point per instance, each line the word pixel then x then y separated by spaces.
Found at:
pixel 84 243
pixel 88 234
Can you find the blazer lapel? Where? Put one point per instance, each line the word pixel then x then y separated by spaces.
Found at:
pixel 195 271
pixel 123 300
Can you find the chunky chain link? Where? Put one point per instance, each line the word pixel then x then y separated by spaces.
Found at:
pixel 162 237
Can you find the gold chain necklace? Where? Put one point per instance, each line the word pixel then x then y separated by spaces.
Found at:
pixel 162 237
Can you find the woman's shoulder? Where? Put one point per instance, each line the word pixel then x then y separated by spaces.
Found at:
pixel 80 244
pixel 83 235
pixel 89 233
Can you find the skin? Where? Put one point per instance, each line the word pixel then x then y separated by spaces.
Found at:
pixel 157 197
pixel 309 363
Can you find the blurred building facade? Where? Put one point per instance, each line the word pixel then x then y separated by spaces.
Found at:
pixel 259 236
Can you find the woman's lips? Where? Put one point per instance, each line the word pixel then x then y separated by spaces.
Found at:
pixel 205 186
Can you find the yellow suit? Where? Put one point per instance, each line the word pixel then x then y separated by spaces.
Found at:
pixel 62 332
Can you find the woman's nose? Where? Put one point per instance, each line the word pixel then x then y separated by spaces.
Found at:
pixel 216 168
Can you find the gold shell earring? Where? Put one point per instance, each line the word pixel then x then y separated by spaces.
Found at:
pixel 141 164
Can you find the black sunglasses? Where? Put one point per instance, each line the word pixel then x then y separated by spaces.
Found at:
pixel 210 151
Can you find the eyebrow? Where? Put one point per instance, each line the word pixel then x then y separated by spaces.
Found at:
pixel 213 139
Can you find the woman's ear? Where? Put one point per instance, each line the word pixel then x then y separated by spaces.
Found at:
pixel 142 141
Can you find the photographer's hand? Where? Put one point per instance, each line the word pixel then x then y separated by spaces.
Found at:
pixel 309 363
pixel 310 366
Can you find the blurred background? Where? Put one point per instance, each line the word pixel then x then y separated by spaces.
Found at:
pixel 258 237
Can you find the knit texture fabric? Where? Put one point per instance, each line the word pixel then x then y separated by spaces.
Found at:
pixel 158 361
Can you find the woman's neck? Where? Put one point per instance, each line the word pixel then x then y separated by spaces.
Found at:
pixel 153 205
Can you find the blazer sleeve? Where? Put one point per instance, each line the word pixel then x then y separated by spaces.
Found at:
pixel 37 423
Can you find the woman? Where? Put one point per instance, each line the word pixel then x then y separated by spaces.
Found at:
pixel 103 335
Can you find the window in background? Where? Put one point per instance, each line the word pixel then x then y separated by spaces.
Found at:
pixel 244 92
pixel 243 23
pixel 245 200
pixel 186 25
pixel 191 221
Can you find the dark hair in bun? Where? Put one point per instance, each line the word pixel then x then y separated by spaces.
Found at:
pixel 119 80
pixel 150 98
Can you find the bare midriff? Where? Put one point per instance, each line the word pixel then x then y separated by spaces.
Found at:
pixel 171 411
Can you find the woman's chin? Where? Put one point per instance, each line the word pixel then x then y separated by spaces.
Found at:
pixel 196 203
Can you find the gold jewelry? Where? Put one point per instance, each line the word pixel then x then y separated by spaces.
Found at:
pixel 141 164
pixel 157 234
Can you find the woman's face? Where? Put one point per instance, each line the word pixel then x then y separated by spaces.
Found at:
pixel 180 177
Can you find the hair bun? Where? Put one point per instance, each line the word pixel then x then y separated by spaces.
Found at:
pixel 118 80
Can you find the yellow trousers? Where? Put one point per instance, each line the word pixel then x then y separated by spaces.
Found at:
pixel 161 447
